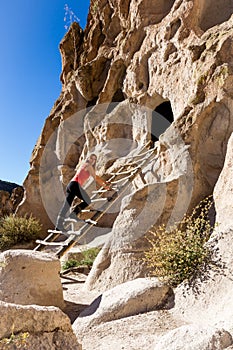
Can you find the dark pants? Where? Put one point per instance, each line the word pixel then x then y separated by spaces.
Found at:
pixel 73 190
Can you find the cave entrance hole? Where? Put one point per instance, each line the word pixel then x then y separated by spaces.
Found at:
pixel 117 98
pixel 162 117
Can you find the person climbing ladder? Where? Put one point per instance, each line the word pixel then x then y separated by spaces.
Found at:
pixel 75 189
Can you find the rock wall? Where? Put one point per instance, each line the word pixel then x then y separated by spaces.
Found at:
pixel 9 200
pixel 30 297
pixel 133 57
pixel 213 304
pixel 35 327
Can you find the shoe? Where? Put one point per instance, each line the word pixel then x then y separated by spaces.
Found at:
pixel 61 227
pixel 59 224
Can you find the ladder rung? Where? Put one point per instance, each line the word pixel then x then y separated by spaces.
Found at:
pixel 104 191
pixel 126 171
pixel 55 231
pixel 100 191
pixel 72 221
pixel 142 154
pixel 124 178
pixel 90 221
pixel 51 243
pixel 74 233
pixel 78 221
pixel 99 200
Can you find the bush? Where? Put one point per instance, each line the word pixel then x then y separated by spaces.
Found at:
pixel 181 254
pixel 87 260
pixel 15 229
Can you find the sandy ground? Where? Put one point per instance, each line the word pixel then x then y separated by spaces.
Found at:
pixel 130 333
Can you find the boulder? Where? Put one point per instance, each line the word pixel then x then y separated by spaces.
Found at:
pixel 30 277
pixel 193 337
pixel 43 327
pixel 127 299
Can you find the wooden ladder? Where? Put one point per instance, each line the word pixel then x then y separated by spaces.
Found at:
pixel 122 178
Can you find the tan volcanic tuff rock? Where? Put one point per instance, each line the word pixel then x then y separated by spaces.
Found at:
pixel 10 201
pixel 41 327
pixel 214 303
pixel 176 54
pixel 223 192
pixel 5 207
pixel 192 337
pixel 29 277
pixel 204 122
pixel 127 299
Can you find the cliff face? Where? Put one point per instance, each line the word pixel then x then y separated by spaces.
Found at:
pixel 11 195
pixel 133 59
pixel 7 186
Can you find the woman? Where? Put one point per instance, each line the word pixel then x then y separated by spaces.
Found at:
pixel 75 189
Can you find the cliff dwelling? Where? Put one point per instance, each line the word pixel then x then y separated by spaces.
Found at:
pixel 162 117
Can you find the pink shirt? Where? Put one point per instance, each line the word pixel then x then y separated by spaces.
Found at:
pixel 82 175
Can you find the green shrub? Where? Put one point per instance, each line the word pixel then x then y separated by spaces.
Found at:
pixel 15 229
pixel 181 253
pixel 87 260
pixel 69 264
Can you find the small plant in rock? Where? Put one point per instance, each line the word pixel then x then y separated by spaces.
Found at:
pixel 69 264
pixel 88 258
pixel 15 230
pixel 95 6
pixel 181 253
pixel 15 341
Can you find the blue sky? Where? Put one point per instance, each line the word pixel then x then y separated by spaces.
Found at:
pixel 30 67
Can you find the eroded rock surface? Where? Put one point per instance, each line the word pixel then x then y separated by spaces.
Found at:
pixel 140 55
pixel 127 299
pixel 29 277
pixel 45 327
pixel 135 59
pixel 9 200
pixel 213 304
pixel 192 337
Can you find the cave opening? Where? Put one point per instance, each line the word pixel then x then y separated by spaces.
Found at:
pixel 162 117
pixel 117 98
